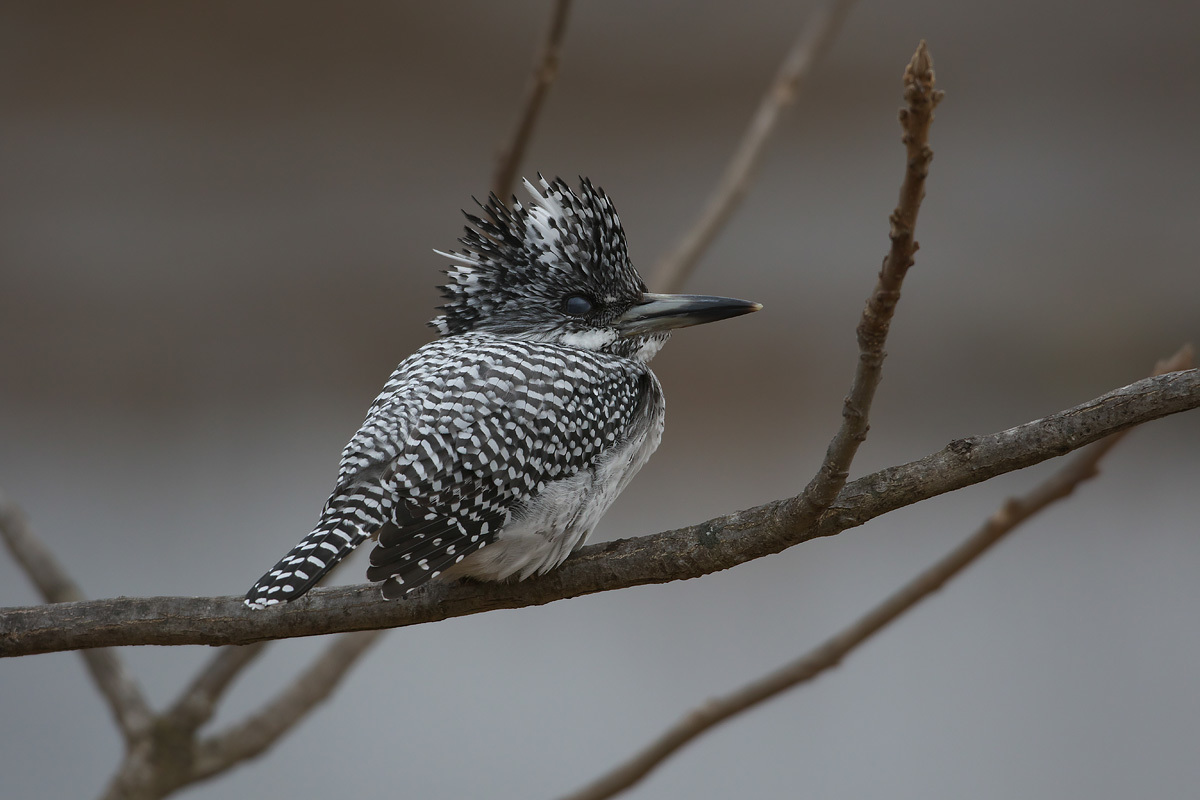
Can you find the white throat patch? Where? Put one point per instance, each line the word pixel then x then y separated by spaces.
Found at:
pixel 589 340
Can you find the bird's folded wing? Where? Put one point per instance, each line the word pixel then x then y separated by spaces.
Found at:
pixel 484 429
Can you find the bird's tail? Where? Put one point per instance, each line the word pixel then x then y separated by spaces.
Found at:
pixel 346 523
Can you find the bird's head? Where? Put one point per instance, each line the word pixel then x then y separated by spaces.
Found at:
pixel 558 270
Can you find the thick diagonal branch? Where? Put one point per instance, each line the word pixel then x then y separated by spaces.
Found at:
pixel 116 685
pixel 689 552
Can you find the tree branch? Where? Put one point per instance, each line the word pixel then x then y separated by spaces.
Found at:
pixel 198 702
pixel 814 40
pixel 689 552
pixel 545 70
pixel 262 729
pixel 830 654
pixel 921 97
pixel 118 688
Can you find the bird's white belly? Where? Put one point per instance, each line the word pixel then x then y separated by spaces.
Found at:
pixel 558 521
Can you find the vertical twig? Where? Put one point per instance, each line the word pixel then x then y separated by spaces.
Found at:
pixel 921 97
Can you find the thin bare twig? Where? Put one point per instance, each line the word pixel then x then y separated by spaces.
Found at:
pixel 198 702
pixel 262 729
pixel 117 687
pixel 545 70
pixel 831 653
pixel 921 97
pixel 814 40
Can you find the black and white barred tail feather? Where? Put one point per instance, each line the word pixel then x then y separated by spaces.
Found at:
pixel 348 520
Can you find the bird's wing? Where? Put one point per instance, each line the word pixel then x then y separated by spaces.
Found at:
pixel 484 430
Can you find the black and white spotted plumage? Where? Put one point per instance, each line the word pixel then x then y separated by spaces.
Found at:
pixel 494 450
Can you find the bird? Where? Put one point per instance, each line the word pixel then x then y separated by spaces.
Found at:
pixel 493 451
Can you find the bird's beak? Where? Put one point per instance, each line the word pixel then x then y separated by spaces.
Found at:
pixel 662 312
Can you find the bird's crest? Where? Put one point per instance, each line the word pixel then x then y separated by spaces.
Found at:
pixel 519 261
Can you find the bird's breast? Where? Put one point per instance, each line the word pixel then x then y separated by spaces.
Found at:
pixel 547 528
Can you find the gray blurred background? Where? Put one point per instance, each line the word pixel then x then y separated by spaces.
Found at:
pixel 216 224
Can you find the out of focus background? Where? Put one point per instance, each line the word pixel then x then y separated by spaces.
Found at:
pixel 216 225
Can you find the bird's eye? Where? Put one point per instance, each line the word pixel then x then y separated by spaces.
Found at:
pixel 577 305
